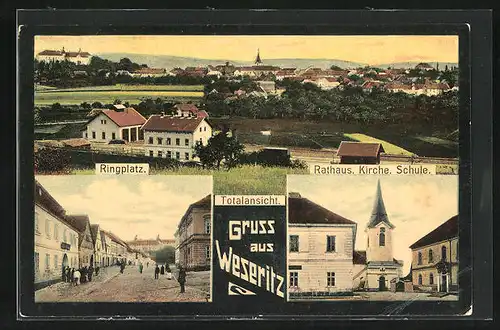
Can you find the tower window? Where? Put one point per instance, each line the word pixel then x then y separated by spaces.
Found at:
pixel 381 238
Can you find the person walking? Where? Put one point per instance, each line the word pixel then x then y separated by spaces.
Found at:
pixel 72 275
pixel 157 271
pixel 147 264
pixel 182 278
pixel 162 270
pixel 76 277
pixel 90 273
pixel 140 268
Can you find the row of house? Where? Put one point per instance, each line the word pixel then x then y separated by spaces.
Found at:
pixel 66 240
pixel 165 136
pixel 323 261
pixel 79 57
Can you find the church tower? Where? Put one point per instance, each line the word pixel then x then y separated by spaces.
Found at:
pixel 379 230
pixel 258 61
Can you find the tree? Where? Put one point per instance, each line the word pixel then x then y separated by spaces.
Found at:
pixel 221 149
pixel 336 68
pixel 165 255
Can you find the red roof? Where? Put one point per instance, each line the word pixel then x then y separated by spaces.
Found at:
pixel 172 124
pixel 127 117
pixel 359 149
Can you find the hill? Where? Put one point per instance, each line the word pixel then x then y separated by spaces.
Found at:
pixel 409 65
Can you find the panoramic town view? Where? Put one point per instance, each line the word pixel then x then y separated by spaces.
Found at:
pixel 370 238
pixel 122 239
pixel 253 106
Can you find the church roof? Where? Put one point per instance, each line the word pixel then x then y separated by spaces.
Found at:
pixel 378 212
pixel 257 59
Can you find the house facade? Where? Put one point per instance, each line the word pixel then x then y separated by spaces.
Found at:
pixel 80 58
pixel 85 242
pixel 375 268
pixel 194 236
pixel 435 259
pixel 109 125
pixel 175 137
pixel 104 250
pixel 56 240
pixel 99 248
pixel 320 250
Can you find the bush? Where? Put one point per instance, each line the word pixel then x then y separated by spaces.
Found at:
pixel 52 161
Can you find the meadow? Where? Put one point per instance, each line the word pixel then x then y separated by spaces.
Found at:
pixel 243 180
pixel 126 93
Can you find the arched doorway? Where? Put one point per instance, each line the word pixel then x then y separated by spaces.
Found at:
pixel 65 261
pixel 381 283
pixel 91 264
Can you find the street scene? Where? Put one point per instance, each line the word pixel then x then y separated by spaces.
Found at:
pixel 131 286
pixel 89 243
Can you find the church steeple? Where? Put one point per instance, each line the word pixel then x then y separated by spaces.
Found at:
pixel 378 212
pixel 257 59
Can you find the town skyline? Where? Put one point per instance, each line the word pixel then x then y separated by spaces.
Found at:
pixel 371 50
pixel 415 205
pixel 129 205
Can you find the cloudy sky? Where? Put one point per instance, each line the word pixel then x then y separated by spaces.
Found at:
pixel 363 49
pixel 129 205
pixel 415 204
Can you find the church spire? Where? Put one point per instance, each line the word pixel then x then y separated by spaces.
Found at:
pixel 378 213
pixel 257 59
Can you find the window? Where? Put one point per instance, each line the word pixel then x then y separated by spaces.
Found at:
pixel 294 243
pixel 186 155
pixel 37 229
pixel 207 252
pixel 93 134
pixel 207 224
pixel 294 279
pixel 47 261
pixel 201 140
pixel 169 141
pixel 47 228
pixel 178 155
pixel 205 129
pixel 151 153
pixel 330 278
pixel 420 279
pixel 150 140
pixel 200 129
pixel 431 278
pixel 330 243
pixel 37 263
pixel 160 154
pixel 65 236
pixel 443 253
pixel 431 256
pixel 381 238
pixel 419 260
pixel 113 136
pixel 160 140
pixel 86 135
pixel 186 142
pixel 177 142
pixel 104 135
pixel 368 242
pixel 105 121
pixel 56 264
pixel 169 154
pixel 56 232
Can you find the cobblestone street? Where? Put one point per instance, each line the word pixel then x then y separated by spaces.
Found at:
pixel 131 286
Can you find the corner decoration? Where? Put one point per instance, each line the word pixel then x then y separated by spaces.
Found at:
pixel 249 250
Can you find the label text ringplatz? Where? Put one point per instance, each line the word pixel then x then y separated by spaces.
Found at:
pixel 122 168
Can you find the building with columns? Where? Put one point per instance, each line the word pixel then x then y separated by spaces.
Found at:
pixel 375 268
pixel 121 124
pixel 435 259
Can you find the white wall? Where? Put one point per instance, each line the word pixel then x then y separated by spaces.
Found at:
pixel 108 128
pixel 316 261
pixel 374 252
pixel 48 238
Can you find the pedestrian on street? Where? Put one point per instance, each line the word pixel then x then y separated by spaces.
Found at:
pixel 162 270
pixel 147 264
pixel 90 273
pixel 140 268
pixel 122 267
pixel 182 278
pixel 97 270
pixel 76 277
pixel 157 271
pixel 72 275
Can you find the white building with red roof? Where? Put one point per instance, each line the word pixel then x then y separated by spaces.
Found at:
pixel 78 57
pixel 174 136
pixel 109 125
pixel 189 110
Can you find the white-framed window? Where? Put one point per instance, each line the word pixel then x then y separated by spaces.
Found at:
pixel 151 153
pixel 150 140
pixel 294 279
pixel 160 154
pixel 103 135
pixel 330 243
pixel 177 142
pixel 37 228
pixel 330 279
pixel 294 243
pixel 159 140
pixel 200 129
pixel 56 232
pixel 47 261
pixel 56 261
pixel 113 136
pixel 93 134
pixel 65 235
pixel 207 224
pixel 169 154
pixel 169 141
pixel 186 155
pixel 178 155
pixel 47 228
pixel 205 129
pixel 186 142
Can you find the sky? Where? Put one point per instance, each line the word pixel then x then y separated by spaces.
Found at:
pixel 129 205
pixel 361 49
pixel 415 205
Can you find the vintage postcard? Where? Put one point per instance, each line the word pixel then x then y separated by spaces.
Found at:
pixel 334 160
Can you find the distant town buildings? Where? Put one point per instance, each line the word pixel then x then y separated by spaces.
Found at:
pixel 149 246
pixel 359 152
pixel 79 57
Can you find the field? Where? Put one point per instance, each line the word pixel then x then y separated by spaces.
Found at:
pixel 388 147
pixel 125 93
pixel 247 179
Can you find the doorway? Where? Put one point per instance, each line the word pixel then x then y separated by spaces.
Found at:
pixel 444 283
pixel 381 283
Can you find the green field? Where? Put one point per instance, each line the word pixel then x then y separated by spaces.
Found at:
pixel 125 93
pixel 244 180
pixel 388 147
